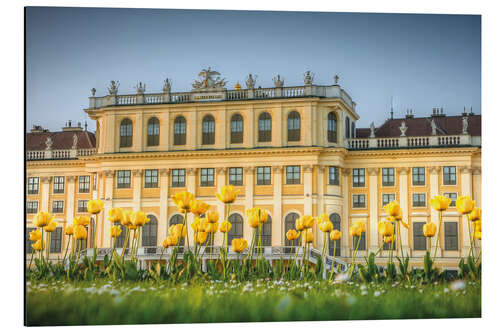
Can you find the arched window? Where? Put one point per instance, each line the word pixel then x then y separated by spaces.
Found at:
pixel 208 130
pixel 335 218
pixel 236 227
pixel 347 126
pixel 150 234
pixel 264 127
pixel 353 130
pixel 120 240
pixel 177 219
pixel 290 224
pixel 294 126
pixel 332 127
pixel 126 133
pixel 180 131
pixel 153 131
pixel 237 129
pixel 267 232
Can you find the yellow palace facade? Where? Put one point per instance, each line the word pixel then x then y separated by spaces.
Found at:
pixel 290 150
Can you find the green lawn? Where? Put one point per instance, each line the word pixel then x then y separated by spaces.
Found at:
pixel 106 302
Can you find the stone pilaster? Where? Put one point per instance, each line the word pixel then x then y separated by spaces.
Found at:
pixel 70 204
pixel 137 187
pixel 163 222
pixel 466 182
pixel 249 189
pixel 373 219
pixel 220 182
pixel 45 191
pixel 277 229
pixel 403 202
pixel 345 218
pixel 191 180
pixel 434 190
pixel 308 169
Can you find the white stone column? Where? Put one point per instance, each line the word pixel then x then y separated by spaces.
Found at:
pixel 320 201
pixel 476 185
pixel 136 204
pixel 192 130
pixel 164 131
pixel 70 204
pixel 277 121
pixel 277 228
pixel 110 133
pixel 308 169
pixel 373 219
pixel 108 204
pixel 249 187
pixel 434 190
pixel 466 181
pixel 307 132
pixel 139 132
pixel 249 128
pixel 45 190
pixel 221 181
pixel 222 140
pixel 163 222
pixel 191 187
pixel 403 202
pixel 345 218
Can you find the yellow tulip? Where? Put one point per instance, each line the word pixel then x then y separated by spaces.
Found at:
pixel 299 224
pixel 127 217
pixel 465 204
pixel 354 231
pixel 239 244
pixel 477 235
pixel 307 221
pixel 225 226
pixel 51 226
pixel 440 202
pixel 475 214
pixel 326 226
pixel 201 237
pixel 210 227
pixel 115 231
pixel 139 218
pixel 292 234
pixel 335 235
pixel 115 215
pixel 477 225
pixel 360 224
pixel 42 219
pixel 198 207
pixel 35 235
pixel 253 220
pixel 429 229
pixel 171 240
pixel 323 218
pixel 176 229
pixel 389 239
pixel 386 228
pixel 182 200
pixel 166 243
pixel 39 245
pixel 81 220
pixel 404 224
pixel 394 210
pixel 307 236
pixel 132 227
pixel 212 216
pixel 95 206
pixel 196 224
pixel 69 229
pixel 80 232
pixel 227 194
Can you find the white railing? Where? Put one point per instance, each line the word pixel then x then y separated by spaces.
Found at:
pixel 180 97
pixel 293 92
pixel 412 141
pixel 32 155
pixel 153 99
pixel 60 154
pixel 126 99
pixel 86 152
pixel 236 94
pixel 35 155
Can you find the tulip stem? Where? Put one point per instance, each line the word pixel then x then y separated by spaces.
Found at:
pixel 439 230
pixel 333 259
pixel 399 238
pixel 182 229
pixel 67 246
pixel 125 243
pixel 471 237
pixel 94 237
pixel 32 254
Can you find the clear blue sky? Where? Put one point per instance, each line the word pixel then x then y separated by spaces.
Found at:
pixel 422 60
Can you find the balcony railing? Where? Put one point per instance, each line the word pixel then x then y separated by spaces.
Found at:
pixel 59 154
pixel 222 95
pixel 411 142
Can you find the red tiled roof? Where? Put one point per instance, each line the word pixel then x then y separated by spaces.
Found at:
pixel 60 140
pixel 446 125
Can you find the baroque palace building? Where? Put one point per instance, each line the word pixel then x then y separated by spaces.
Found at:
pixel 290 150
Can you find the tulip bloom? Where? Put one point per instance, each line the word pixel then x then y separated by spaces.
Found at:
pixel 182 200
pixel 115 215
pixel 389 239
pixel 176 229
pixel 196 225
pixel 256 216
pixel 308 221
pixel 211 227
pixel 81 220
pixel 42 219
pixel 166 243
pixel 171 241
pixel 292 234
pixel 429 229
pixel 440 202
pixel 69 230
pixel 360 224
pixel 477 225
pixel 335 235
pixel 354 231
pixel 386 228
pixel 139 218
pixel 307 235
pixel 80 232
pixel 299 224
pixel 201 237
pixel 465 204
pixel 127 218
pixel 51 226
pixel 39 245
pixel 326 226
pixel 198 207
pixel 95 206
pixel 227 194
pixel 394 210
pixel 115 231
pixel 239 244
pixel 35 235
pixel 225 226
pixel 477 235
pixel 475 214
pixel 212 216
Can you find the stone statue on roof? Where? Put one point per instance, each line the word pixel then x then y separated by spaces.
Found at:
pixel 278 82
pixel 433 127
pixel 167 86
pixel 75 141
pixel 465 124
pixel 372 130
pixel 403 128
pixel 250 82
pixel 308 78
pixel 113 87
pixel 48 143
pixel 141 88
pixel 209 81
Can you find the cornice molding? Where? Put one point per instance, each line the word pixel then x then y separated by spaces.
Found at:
pixel 109 173
pixel 373 171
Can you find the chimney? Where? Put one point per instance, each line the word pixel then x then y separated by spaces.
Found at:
pixel 438 112
pixel 409 114
pixel 85 126
pixel 471 113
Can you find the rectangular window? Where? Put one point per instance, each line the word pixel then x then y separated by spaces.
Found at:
pixel 178 177
pixel 362 241
pixel 32 207
pixel 236 176
pixel 57 206
pixel 358 201
pixel 264 175
pixel 333 176
pixel 28 243
pixel 150 178
pixel 418 176
pixel 388 197
pixel 387 176
pixel 418 199
pixel 451 236
pixel 358 177
pixel 82 206
pixel 84 184
pixel 449 175
pixel 58 185
pixel 33 185
pixel 293 174
pixel 453 197
pixel 207 177
pixel 123 179
pixel 56 240
pixel 419 240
